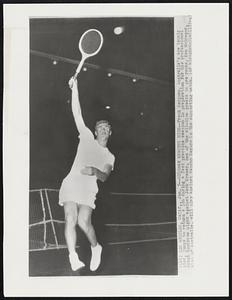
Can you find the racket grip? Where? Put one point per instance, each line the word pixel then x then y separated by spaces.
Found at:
pixel 79 68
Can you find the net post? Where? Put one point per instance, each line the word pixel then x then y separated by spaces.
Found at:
pixel 44 217
pixel 50 214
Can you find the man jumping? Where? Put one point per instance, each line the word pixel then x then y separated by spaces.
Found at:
pixel 78 191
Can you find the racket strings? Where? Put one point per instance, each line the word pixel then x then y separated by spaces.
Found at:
pixel 91 42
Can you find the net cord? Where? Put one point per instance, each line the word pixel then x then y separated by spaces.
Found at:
pixel 115 193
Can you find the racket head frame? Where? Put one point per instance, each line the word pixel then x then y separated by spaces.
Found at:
pixel 99 47
pixel 85 55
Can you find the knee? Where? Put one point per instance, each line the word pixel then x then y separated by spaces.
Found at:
pixel 70 220
pixel 83 223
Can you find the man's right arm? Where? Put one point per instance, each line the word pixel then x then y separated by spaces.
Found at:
pixel 76 108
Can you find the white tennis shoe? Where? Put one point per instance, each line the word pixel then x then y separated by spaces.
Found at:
pixel 75 261
pixel 96 257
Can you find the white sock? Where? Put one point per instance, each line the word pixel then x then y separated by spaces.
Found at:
pixel 75 261
pixel 96 257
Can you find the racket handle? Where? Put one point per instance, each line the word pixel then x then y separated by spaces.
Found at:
pixel 79 68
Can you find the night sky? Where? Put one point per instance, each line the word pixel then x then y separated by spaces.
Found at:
pixel 142 112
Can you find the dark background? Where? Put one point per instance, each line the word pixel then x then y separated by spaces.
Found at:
pixel 142 113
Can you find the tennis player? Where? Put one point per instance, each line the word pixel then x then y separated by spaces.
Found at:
pixel 78 191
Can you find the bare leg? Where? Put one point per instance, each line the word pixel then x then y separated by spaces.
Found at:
pixel 70 210
pixel 84 221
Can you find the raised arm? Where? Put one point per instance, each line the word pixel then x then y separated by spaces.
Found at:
pixel 76 108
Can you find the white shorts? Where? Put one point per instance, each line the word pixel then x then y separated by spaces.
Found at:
pixel 81 189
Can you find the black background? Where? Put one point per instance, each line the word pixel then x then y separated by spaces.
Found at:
pixel 146 47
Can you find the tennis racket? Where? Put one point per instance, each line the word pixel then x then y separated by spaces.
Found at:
pixel 89 45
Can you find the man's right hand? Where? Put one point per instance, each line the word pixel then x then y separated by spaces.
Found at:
pixel 72 82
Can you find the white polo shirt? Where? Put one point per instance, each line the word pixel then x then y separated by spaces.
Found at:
pixel 90 154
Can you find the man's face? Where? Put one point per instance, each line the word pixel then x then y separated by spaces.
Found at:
pixel 103 131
